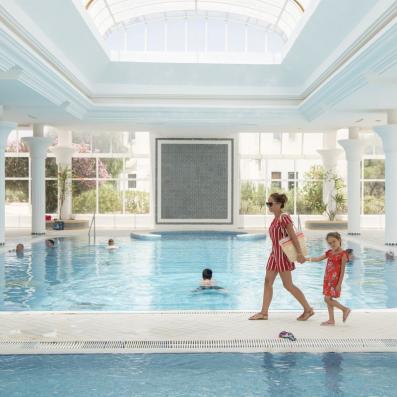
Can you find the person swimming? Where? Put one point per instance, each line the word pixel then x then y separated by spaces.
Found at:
pixel 111 245
pixel 350 254
pixel 207 282
pixel 389 256
pixel 19 249
pixel 50 243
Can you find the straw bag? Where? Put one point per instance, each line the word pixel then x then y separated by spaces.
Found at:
pixel 288 247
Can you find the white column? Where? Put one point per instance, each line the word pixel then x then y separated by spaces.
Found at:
pixel 38 147
pixel 329 156
pixel 354 150
pixel 388 133
pixel 5 129
pixel 64 152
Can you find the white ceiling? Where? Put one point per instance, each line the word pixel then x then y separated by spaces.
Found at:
pixel 341 68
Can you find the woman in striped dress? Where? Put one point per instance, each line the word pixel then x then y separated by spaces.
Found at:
pixel 278 262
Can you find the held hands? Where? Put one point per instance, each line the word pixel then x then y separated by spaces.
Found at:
pixel 301 258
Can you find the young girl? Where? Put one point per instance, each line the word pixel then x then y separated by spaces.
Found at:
pixel 333 276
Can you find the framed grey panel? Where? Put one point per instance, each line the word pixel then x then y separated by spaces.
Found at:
pixel 194 181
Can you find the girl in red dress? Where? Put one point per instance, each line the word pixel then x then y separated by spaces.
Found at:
pixel 278 262
pixel 333 277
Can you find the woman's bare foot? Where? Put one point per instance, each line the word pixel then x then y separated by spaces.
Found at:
pixel 306 315
pixel 328 322
pixel 259 316
pixel 346 314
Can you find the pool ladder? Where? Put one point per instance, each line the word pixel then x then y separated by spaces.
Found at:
pixel 92 223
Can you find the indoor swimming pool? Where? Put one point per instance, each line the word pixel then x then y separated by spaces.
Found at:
pixel 164 274
pixel 200 374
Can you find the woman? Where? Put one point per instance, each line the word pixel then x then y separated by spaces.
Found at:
pixel 278 262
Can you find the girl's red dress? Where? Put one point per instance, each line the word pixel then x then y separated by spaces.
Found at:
pixel 332 273
pixel 278 261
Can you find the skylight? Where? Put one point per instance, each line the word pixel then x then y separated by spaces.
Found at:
pixel 196 30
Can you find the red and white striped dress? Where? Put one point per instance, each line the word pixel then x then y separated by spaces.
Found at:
pixel 278 261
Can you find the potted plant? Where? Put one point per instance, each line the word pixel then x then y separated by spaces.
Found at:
pixel 64 186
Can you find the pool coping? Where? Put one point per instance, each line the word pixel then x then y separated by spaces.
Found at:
pixel 192 332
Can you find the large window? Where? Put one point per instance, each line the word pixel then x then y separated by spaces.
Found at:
pixel 373 186
pixel 285 163
pixel 111 173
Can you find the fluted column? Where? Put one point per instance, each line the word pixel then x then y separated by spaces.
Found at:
pixel 354 148
pixel 38 147
pixel 63 153
pixel 5 129
pixel 388 133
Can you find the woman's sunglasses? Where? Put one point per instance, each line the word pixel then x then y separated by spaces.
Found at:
pixel 269 203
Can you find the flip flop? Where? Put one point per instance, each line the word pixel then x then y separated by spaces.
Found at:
pixel 327 324
pixel 345 316
pixel 287 335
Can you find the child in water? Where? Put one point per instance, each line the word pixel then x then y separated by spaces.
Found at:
pixel 207 282
pixel 333 277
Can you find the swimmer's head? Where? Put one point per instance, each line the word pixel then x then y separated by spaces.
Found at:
pixel 19 248
pixel 50 243
pixel 110 241
pixel 207 274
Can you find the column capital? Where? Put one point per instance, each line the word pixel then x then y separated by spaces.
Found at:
pixel 354 148
pixel 388 134
pixel 38 146
pixel 63 154
pixel 330 156
pixel 5 129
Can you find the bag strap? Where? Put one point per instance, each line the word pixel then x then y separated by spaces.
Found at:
pixel 297 229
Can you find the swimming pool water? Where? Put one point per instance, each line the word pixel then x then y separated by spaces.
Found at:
pixel 162 275
pixel 200 375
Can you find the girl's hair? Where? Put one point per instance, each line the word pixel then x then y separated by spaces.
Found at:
pixel 279 198
pixel 334 235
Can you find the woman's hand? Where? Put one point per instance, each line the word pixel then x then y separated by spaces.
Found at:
pixel 301 258
pixel 338 288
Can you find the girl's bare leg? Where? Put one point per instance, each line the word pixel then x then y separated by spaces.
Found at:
pixel 267 296
pixel 346 311
pixel 330 307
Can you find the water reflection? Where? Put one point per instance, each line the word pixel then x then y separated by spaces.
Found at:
pixel 333 382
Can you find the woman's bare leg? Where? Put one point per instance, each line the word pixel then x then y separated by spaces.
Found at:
pixel 286 277
pixel 267 295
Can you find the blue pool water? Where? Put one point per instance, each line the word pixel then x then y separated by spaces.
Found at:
pixel 200 375
pixel 162 274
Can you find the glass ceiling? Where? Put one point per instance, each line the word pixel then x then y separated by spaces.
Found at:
pixel 279 15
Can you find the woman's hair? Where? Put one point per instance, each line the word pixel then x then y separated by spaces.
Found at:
pixel 279 198
pixel 334 235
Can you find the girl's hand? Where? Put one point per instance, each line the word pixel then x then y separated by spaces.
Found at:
pixel 338 288
pixel 301 258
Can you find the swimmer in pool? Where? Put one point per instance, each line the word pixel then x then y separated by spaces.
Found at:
pixel 19 249
pixel 207 283
pixel 111 245
pixel 50 243
pixel 350 255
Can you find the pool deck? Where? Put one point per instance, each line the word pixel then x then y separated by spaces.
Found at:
pixel 192 331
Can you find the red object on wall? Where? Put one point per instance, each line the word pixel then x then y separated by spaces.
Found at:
pixel 48 217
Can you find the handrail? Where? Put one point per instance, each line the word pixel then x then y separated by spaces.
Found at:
pixel 89 230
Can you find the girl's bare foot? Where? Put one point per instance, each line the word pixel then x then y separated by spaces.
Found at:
pixel 346 314
pixel 259 316
pixel 328 322
pixel 306 315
